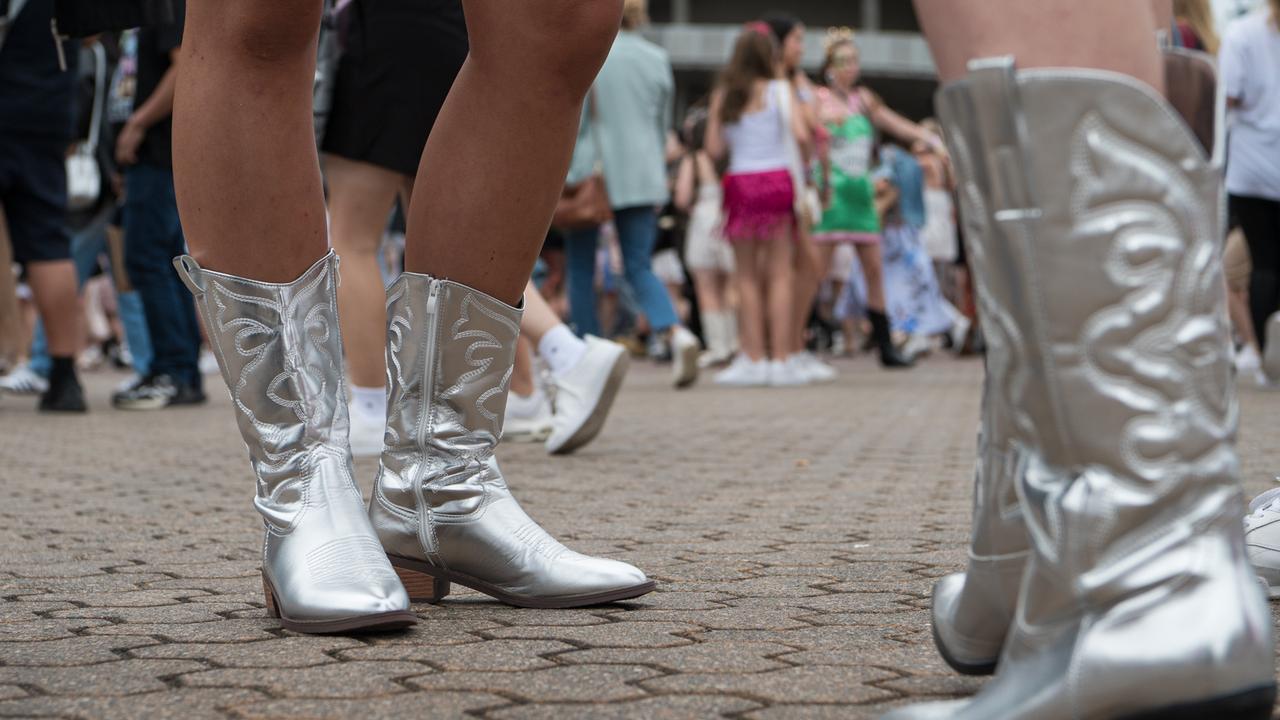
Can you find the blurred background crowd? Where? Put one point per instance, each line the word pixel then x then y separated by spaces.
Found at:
pixel 756 201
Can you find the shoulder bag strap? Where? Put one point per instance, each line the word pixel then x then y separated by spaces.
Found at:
pixel 99 94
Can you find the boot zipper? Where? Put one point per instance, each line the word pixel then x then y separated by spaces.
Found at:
pixel 426 534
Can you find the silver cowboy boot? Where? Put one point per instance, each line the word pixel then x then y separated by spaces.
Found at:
pixel 972 610
pixel 280 351
pixel 1101 230
pixel 441 506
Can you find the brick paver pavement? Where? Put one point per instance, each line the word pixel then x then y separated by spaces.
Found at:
pixel 795 535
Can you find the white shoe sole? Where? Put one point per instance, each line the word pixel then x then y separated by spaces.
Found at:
pixel 594 421
pixel 532 435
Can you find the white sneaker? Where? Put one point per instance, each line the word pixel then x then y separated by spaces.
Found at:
pixel 1262 539
pixel 684 357
pixel 786 373
pixel 527 420
pixel 22 380
pixel 813 369
pixel 208 362
pixel 1248 359
pixel 744 372
pixel 366 433
pixel 585 394
pixel 959 331
pixel 128 383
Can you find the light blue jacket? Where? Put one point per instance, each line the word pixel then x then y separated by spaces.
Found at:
pixel 632 97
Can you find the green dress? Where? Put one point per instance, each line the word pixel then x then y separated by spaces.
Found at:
pixel 852 216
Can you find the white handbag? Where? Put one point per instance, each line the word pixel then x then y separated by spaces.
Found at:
pixel 808 203
pixel 84 175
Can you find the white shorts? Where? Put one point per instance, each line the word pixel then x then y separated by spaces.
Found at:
pixel 705 247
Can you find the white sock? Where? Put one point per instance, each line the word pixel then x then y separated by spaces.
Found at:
pixel 371 403
pixel 524 407
pixel 561 349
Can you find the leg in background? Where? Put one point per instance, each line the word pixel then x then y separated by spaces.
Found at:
pixel 361 196
pixel 1260 221
pixel 747 257
pixel 637 233
pixel 779 269
pixel 153 237
pixel 580 278
pixel 485 193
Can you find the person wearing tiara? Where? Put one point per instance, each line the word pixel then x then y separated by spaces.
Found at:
pixel 851 115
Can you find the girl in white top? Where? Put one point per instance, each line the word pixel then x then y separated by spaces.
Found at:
pixel 753 120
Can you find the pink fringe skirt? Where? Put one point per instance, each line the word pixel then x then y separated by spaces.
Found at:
pixel 757 204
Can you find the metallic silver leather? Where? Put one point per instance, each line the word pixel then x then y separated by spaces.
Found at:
pixel 280 352
pixel 441 498
pixel 972 610
pixel 1100 223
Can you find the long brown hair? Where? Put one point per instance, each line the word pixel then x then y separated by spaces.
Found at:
pixel 1199 15
pixel 753 59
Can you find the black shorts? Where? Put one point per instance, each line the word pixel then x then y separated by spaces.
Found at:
pixel 400 60
pixel 33 193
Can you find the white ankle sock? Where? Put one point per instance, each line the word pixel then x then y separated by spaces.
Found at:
pixel 371 403
pixel 524 407
pixel 561 349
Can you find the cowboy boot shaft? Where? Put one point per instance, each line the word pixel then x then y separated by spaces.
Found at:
pixel 279 349
pixel 280 352
pixel 1095 221
pixel 442 508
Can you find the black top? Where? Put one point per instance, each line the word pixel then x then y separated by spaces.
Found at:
pixel 36 96
pixel 155 44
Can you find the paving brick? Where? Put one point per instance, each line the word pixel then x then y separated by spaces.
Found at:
pixel 581 683
pixel 121 677
pixel 335 680
pixel 794 559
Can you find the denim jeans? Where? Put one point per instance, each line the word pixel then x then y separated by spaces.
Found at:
pixel 152 238
pixel 637 233
pixel 86 247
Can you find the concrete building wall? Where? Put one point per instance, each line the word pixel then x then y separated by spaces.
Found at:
pixel 699 35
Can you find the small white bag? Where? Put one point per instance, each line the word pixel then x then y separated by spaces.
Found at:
pixel 84 175
pixel 808 203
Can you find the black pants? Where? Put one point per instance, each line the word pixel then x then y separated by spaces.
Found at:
pixel 1260 220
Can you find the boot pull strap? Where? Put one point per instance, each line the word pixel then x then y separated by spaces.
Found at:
pixel 191 273
pixel 993 87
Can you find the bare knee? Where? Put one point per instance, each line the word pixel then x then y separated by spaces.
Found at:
pixel 563 41
pixel 279 31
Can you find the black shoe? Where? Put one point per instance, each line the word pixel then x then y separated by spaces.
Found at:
pixel 156 392
pixel 890 357
pixel 64 395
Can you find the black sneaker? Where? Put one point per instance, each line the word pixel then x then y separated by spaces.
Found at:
pixel 64 395
pixel 156 392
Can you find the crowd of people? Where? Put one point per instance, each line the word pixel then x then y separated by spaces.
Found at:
pixel 807 213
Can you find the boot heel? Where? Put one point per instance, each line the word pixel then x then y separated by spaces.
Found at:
pixel 421 586
pixel 273 608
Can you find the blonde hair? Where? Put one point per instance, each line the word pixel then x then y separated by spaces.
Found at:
pixel 1199 15
pixel 634 14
